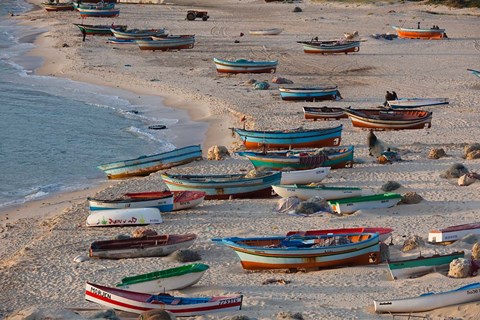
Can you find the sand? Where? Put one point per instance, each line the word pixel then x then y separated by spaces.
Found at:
pixel 39 245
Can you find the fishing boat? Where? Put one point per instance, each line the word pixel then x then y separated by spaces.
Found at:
pixel 137 34
pixel 475 72
pixel 149 246
pixel 334 157
pixel 164 280
pixel 144 165
pixel 409 103
pixel 453 233
pixel 121 41
pixel 102 13
pixel 63 6
pixel 383 233
pixel 305 192
pixel 265 32
pixel 164 203
pixel 101 5
pixel 245 66
pixel 99 29
pixel 290 139
pixel 124 217
pixel 304 176
pixel 430 300
pixel 314 93
pixel 167 43
pixel 324 113
pixel 136 302
pixel 426 34
pixel 375 201
pixel 305 252
pixel 419 266
pixel 374 119
pixel 181 199
pixel 225 186
pixel 330 46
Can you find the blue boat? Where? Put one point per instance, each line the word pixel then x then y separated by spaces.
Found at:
pixel 317 93
pixel 225 186
pixel 106 13
pixel 121 41
pixel 245 66
pixel 144 165
pixel 290 139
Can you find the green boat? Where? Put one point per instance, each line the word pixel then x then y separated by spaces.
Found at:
pixel 104 30
pixel 165 280
pixel 376 201
pixel 411 268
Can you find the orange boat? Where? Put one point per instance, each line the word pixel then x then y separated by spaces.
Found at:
pixel 427 34
pixel 389 119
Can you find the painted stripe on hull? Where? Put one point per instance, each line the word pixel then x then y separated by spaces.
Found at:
pixel 328 142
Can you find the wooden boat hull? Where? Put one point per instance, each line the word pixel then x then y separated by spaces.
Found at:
pixel 166 44
pixel 107 13
pixel 145 165
pixel 98 29
pixel 224 186
pixel 383 233
pixel 265 253
pixel 265 32
pixel 376 201
pixel 150 246
pixel 335 158
pixel 245 66
pixel 316 138
pixel 304 192
pixel 410 103
pixel 389 119
pixel 426 34
pixel 164 280
pixel 411 268
pixel 58 6
pixel 309 94
pixel 430 301
pixel 453 233
pixel 304 176
pixel 136 302
pixel 124 217
pixel 323 113
pixel 331 47
pixel 136 34
pixel 181 199
pixel 163 203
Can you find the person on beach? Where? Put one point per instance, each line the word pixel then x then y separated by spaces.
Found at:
pixel 84 33
pixel 388 97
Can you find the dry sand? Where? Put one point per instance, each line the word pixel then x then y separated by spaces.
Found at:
pixel 38 249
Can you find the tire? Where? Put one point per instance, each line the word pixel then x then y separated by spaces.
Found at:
pixel 205 18
pixel 191 16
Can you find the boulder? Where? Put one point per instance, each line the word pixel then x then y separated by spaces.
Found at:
pixel 156 315
pixel 468 179
pixel 412 243
pixel 436 153
pixel 143 232
pixel 460 268
pixel 471 148
pixel 473 155
pixel 280 80
pixel 411 198
pixel 390 186
pixel 287 315
pixel 261 85
pixel 455 171
pixel 218 153
pixel 476 251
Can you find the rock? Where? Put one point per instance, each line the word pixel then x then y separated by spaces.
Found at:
pixel 186 256
pixel 80 258
pixel 281 80
pixel 261 85
pixel 143 232
pixel 468 179
pixel 217 153
pixel 436 153
pixel 65 45
pixel 471 148
pixel 286 315
pixel 250 82
pixel 412 243
pixel 297 9
pixel 460 268
pixel 476 251
pixel 156 315
pixel 456 170
pixel 411 198
pixel 390 186
pixel 473 155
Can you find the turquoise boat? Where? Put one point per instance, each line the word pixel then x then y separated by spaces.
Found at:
pixel 165 280
pixel 225 186
pixel 475 72
pixel 334 157
pixel 376 201
pixel 290 139
pixel 411 268
pixel 144 165
pixel 245 66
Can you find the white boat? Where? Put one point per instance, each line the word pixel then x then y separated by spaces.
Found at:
pixel 305 192
pixel 164 280
pixel 163 202
pixel 453 233
pixel 430 301
pixel 124 217
pixel 266 32
pixel 375 201
pixel 304 176
pixel 407 103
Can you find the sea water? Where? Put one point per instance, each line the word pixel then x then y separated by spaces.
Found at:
pixel 54 132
